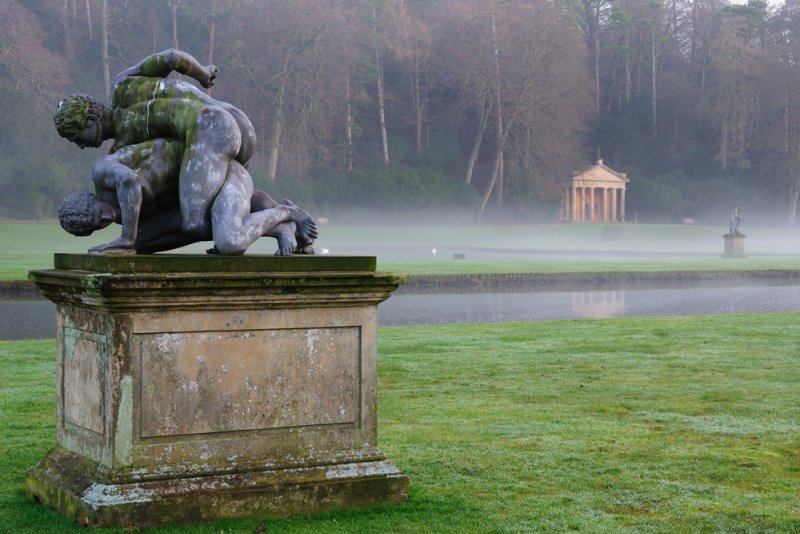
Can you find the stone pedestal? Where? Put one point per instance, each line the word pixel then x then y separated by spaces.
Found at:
pixel 196 387
pixel 734 245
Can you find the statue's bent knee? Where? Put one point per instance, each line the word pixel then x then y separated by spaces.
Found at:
pixel 229 247
pixel 195 228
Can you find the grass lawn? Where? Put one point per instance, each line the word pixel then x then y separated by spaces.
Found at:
pixel 654 264
pixel 407 249
pixel 687 424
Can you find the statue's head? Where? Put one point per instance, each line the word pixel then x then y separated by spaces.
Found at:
pixel 82 213
pixel 78 118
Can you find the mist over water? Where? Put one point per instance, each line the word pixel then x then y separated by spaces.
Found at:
pixel 487 243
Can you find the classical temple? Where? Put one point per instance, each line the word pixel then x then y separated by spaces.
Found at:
pixel 596 194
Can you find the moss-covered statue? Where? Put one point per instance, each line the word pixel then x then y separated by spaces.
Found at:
pixel 176 173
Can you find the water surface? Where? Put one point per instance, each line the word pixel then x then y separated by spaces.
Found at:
pixel 34 319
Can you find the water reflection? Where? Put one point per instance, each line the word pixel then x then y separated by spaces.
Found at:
pixel 596 304
pixel 407 309
pixel 27 319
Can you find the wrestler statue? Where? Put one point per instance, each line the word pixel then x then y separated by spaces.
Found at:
pixel 173 140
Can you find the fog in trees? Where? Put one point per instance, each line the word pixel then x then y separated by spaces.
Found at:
pixel 480 108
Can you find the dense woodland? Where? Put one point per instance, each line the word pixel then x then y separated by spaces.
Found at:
pixel 405 104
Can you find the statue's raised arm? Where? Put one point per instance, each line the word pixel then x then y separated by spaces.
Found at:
pixel 160 65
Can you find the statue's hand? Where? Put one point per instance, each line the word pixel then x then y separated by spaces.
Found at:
pixel 212 76
pixel 120 245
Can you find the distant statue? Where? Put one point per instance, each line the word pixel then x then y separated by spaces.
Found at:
pixel 216 141
pixel 137 187
pixel 736 220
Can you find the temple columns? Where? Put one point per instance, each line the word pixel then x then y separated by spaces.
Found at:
pixel 614 206
pixel 592 204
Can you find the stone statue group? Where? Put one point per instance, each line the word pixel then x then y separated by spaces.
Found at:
pixel 177 171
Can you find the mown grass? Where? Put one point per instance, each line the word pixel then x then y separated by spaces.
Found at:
pixel 687 424
pixel 28 246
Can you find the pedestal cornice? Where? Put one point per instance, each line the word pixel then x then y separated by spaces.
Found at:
pixel 148 283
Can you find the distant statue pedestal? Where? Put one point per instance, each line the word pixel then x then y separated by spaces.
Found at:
pixel 192 388
pixel 734 246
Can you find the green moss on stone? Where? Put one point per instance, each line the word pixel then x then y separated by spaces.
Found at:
pixel 195 263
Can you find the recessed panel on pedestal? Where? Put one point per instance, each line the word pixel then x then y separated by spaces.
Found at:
pixel 84 354
pixel 210 382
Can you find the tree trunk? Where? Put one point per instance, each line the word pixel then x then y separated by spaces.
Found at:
pixel 794 197
pixel 416 97
pixel 628 67
pixel 498 172
pixel 212 30
pixel 173 4
pixel 348 151
pixel 488 192
pixel 493 179
pixel 653 95
pixel 381 104
pixel 476 146
pixel 89 18
pixel 597 65
pixel 104 49
pixel 67 23
pixel 277 131
pixel 701 105
pixel 425 100
pixel 153 27
pixel 723 145
pixel 786 121
pixel 693 35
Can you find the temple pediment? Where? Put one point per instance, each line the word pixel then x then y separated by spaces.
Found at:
pixel 599 172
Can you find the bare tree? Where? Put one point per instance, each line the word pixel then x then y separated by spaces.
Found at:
pixel 738 59
pixel 104 49
pixel 293 80
pixel 408 36
pixel 510 58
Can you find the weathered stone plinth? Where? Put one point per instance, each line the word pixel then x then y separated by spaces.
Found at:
pixel 734 245
pixel 192 387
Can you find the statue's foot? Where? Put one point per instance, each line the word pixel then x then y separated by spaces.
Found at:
pixel 212 250
pixel 308 249
pixel 284 234
pixel 306 232
pixel 285 249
